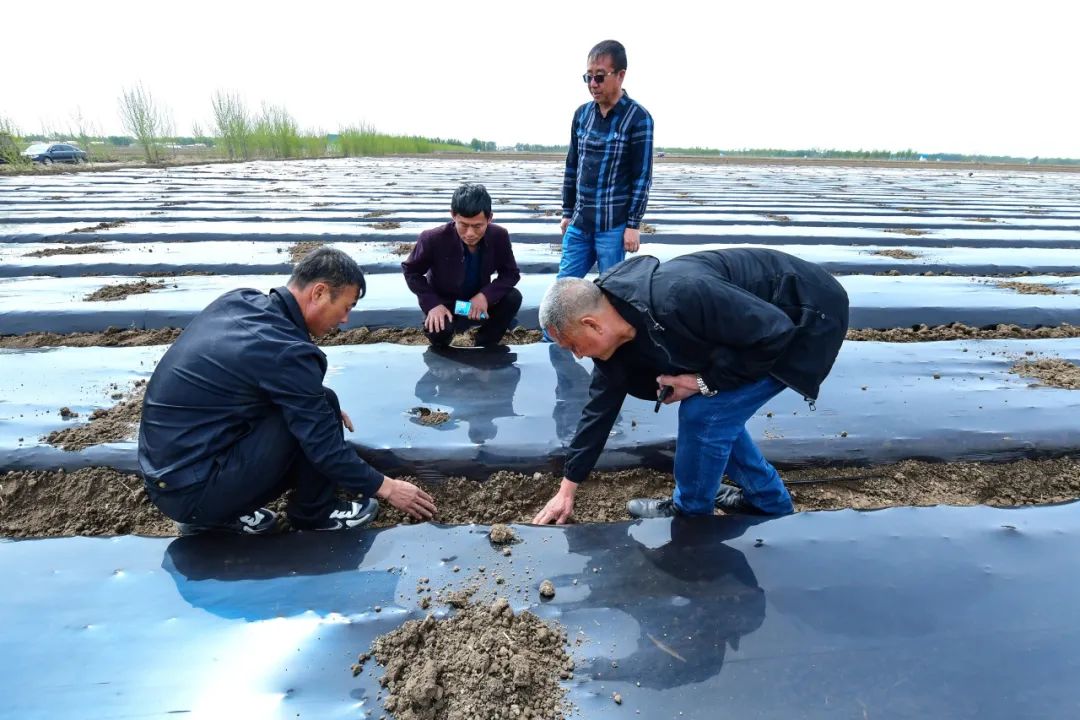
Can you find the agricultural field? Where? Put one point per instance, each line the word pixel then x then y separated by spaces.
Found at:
pixel 959 385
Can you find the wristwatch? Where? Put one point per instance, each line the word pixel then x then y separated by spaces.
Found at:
pixel 703 388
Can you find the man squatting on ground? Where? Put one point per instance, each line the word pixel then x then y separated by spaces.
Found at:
pixel 455 262
pixel 727 330
pixel 608 169
pixel 236 413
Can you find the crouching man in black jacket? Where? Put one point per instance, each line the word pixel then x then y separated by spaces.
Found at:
pixel 236 413
pixel 727 330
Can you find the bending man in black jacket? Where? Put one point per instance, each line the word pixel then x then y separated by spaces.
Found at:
pixel 236 413
pixel 727 330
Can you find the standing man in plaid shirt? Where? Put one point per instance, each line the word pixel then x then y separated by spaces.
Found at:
pixel 608 169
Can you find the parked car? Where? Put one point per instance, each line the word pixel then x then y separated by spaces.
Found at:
pixel 48 153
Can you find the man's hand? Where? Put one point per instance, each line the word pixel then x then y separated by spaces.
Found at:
pixel 631 240
pixel 437 318
pixel 563 225
pixel 479 306
pixel 685 386
pixel 346 421
pixel 559 508
pixel 407 497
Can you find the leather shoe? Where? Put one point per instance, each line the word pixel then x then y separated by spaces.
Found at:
pixel 650 508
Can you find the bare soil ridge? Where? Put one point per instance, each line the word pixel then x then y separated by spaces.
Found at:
pixel 102 501
pixel 113 337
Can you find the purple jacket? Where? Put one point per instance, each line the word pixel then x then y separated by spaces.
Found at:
pixel 435 269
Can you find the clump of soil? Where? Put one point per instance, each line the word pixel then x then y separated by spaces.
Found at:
pixel 401 248
pixel 427 416
pixel 119 292
pixel 69 250
pixel 647 229
pixel 1027 288
pixel 481 662
pixel 1054 372
pixel 300 250
pixel 87 501
pixel 959 331
pixel 502 534
pixel 99 226
pixel 106 425
pixel 97 501
pixel 376 214
pixel 897 254
pixel 547 589
pixel 385 225
pixel 907 231
pixel 984 219
pixel 776 218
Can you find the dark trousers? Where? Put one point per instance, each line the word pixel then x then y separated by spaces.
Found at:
pixel 260 467
pixel 491 331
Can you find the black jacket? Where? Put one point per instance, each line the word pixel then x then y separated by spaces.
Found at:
pixel 733 316
pixel 245 356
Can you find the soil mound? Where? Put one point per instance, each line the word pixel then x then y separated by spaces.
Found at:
pixel 481 662
pixel 121 291
pixel 88 501
pixel 1054 372
pixel 69 250
pixel 897 254
pixel 300 250
pixel 112 425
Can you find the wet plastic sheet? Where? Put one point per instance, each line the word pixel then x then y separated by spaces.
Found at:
pixel 950 613
pixel 518 409
pixel 57 305
pixel 245 257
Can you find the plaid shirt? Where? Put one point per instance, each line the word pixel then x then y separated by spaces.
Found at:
pixel 608 167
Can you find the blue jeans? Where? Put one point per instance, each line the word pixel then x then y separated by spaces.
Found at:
pixel 580 250
pixel 713 440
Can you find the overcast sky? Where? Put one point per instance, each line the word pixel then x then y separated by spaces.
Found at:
pixel 942 76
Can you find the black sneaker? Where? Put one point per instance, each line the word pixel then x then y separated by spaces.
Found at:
pixel 649 508
pixel 258 522
pixel 346 514
pixel 730 500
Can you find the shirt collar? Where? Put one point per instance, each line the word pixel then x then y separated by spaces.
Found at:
pixel 623 102
pixel 292 308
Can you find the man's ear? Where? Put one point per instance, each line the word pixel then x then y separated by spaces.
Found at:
pixel 593 323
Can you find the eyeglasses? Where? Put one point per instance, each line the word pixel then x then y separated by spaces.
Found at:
pixel 598 78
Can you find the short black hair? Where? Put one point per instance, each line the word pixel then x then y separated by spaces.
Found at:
pixel 471 199
pixel 612 49
pixel 331 266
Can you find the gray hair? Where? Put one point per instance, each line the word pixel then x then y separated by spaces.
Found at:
pixel 568 300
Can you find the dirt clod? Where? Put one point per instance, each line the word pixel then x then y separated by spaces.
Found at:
pixel 482 662
pixel 502 534
pixel 547 589
pixel 427 416
pixel 385 225
pixel 907 231
pixel 1027 288
pixel 401 248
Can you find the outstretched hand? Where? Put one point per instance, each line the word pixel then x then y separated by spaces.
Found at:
pixel 560 508
pixel 407 497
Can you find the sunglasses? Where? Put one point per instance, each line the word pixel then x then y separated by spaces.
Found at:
pixel 598 78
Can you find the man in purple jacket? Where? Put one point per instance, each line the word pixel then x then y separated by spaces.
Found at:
pixel 455 262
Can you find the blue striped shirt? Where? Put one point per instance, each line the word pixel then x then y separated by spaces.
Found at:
pixel 608 167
